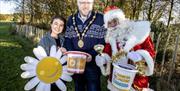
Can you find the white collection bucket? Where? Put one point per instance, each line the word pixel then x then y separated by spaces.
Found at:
pixel 76 61
pixel 123 76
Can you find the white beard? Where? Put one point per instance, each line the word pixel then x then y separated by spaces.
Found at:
pixel 118 34
pixel 127 34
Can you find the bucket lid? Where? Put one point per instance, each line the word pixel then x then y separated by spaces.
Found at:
pixel 126 67
pixel 80 53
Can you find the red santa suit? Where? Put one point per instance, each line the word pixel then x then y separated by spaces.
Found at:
pixel 133 38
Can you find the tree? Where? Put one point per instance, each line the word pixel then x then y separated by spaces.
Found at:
pixel 136 9
pixel 23 11
pixel 150 11
pixel 170 12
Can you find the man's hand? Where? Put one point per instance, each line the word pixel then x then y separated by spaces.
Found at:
pixel 89 58
pixel 63 50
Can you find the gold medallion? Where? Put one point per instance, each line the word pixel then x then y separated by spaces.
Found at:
pixel 80 43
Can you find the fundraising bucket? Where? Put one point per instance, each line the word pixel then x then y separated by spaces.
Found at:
pixel 123 76
pixel 76 61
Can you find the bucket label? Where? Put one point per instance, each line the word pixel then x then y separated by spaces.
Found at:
pixel 122 78
pixel 120 83
pixel 76 63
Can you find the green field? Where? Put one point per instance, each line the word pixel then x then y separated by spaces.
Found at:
pixel 13 49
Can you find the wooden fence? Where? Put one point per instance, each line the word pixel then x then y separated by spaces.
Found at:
pixel 30 32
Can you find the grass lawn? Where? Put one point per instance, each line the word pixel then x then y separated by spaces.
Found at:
pixel 13 49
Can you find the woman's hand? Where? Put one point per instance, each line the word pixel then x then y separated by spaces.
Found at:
pixel 63 50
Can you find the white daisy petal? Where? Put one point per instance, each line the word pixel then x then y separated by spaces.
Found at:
pixel 58 54
pixel 31 60
pixel 31 84
pixel 67 73
pixel 27 67
pixel 65 68
pixel 66 77
pixel 47 87
pixel 37 53
pixel 42 51
pixel 41 86
pixel 28 74
pixel 53 51
pixel 63 59
pixel 61 85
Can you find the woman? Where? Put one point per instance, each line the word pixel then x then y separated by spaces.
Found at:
pixel 54 37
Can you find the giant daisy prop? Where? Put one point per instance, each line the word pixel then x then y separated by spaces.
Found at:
pixel 45 70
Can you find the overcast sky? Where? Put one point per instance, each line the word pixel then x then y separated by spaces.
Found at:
pixel 7 7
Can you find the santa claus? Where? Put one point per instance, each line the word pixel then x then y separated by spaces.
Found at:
pixel 132 38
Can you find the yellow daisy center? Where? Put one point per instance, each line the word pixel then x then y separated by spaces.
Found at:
pixel 49 69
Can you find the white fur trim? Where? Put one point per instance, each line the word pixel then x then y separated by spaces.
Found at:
pixel 139 32
pixel 149 60
pixel 108 68
pixel 103 71
pixel 116 13
pixel 108 63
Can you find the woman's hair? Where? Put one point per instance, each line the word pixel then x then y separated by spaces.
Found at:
pixel 61 18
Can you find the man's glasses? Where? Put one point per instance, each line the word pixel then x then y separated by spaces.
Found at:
pixel 85 2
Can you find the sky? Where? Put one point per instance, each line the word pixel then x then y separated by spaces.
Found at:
pixel 7 7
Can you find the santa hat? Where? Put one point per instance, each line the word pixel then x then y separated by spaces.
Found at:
pixel 112 12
